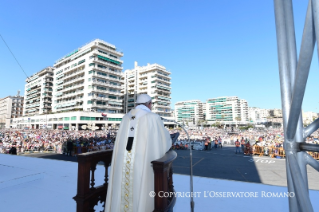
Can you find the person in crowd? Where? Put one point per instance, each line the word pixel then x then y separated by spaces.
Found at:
pixel 215 143
pixel 69 147
pixel 242 142
pixel 220 142
pixel 237 144
pixel 206 145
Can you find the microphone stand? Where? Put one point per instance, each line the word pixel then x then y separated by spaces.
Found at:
pixel 192 203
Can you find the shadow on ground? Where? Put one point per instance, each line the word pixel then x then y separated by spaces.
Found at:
pixel 221 163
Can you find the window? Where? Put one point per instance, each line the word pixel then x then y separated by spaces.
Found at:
pixel 90 72
pixel 89 101
pixel 112 97
pixel 102 73
pixel 73 118
pixel 89 79
pixel 115 77
pixel 101 88
pixel 66 119
pixel 108 60
pixel 92 64
pixel 102 52
pixel 115 119
pixel 85 118
pixel 100 66
pixel 100 103
pixel 113 56
pixel 82 61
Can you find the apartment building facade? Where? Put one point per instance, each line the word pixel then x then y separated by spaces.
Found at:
pixel 226 110
pixel 77 120
pixel 190 112
pixel 10 107
pixel 153 80
pixel 309 117
pixel 256 114
pixel 89 79
pixel 276 113
pixel 38 92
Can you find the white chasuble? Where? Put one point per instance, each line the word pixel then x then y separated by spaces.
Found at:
pixel 131 176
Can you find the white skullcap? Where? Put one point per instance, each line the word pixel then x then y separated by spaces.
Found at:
pixel 143 98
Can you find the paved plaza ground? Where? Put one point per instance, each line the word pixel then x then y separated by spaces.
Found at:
pixel 223 163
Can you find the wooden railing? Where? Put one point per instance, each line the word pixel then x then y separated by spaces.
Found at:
pixel 88 196
pixel 163 180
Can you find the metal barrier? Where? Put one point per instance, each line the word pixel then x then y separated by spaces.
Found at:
pixel 293 79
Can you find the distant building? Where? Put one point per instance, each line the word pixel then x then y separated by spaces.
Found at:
pixel 275 113
pixel 172 113
pixel 10 107
pixel 38 93
pixel 153 80
pixel 227 109
pixel 89 79
pixel 204 110
pixel 256 114
pixel 309 117
pixel 190 111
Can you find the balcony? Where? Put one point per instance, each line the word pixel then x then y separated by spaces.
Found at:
pixel 161 75
pixel 71 94
pixel 114 107
pixel 75 86
pixel 108 71
pixel 70 107
pixel 102 83
pixel 120 54
pixel 106 77
pixel 96 52
pixel 73 74
pixel 78 79
pixel 108 64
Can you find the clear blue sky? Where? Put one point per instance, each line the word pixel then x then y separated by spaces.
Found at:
pixel 213 48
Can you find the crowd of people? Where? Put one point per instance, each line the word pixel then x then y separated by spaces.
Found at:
pixel 75 142
pixel 244 141
pixel 58 141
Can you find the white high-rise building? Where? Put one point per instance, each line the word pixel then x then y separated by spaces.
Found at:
pixel 226 109
pixel 89 79
pixel 276 113
pixel 256 114
pixel 309 117
pixel 243 106
pixel 204 110
pixel 10 107
pixel 153 80
pixel 38 93
pixel 190 111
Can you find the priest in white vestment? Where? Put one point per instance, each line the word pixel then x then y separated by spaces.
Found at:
pixel 141 139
